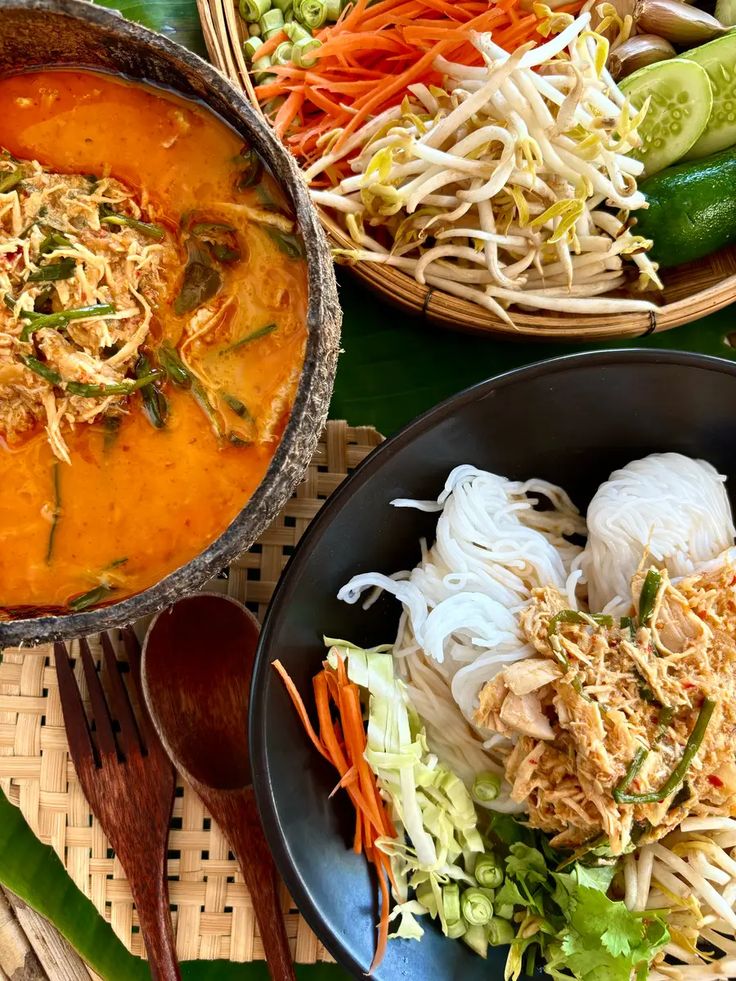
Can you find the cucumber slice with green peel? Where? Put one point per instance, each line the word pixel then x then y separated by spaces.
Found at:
pixel 718 58
pixel 679 110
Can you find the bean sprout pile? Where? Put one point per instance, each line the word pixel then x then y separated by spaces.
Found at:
pixel 515 183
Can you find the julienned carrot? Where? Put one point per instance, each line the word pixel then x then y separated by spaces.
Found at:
pixel 268 47
pixel 369 58
pixel 382 867
pixel 301 708
pixel 343 743
pixel 285 116
pixel 318 97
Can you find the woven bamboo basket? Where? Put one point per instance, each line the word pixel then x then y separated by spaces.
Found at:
pixel 691 291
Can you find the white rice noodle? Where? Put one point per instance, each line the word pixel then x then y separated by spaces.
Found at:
pixel 461 604
pixel 667 506
pixel 720 970
pixel 492 548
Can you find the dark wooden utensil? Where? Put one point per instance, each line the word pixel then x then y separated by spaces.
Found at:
pixel 197 664
pixel 129 782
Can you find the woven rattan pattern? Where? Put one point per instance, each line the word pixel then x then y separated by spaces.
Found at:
pixel 214 914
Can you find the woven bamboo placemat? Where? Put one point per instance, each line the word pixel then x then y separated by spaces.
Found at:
pixel 213 913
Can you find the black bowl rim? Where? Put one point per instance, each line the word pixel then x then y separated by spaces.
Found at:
pixel 258 716
pixel 309 411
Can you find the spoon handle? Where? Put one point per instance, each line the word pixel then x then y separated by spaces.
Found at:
pixel 237 815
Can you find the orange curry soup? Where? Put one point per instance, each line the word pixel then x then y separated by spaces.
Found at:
pixel 119 464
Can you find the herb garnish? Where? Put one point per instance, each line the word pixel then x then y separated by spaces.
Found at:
pixel 678 774
pixel 201 280
pixel 155 403
pixel 648 596
pixel 236 405
pixel 125 387
pixel 11 180
pixel 291 245
pixel 110 217
pixel 61 318
pixel 41 369
pixel 174 367
pixel 253 336
pixel 249 167
pixel 54 271
pixel 91 598
pixel 56 513
pixel 568 918
pixel 54 240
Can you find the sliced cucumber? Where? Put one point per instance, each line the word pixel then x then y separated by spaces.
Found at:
pixel 680 107
pixel 718 58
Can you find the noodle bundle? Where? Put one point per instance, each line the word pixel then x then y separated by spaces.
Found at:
pixel 666 505
pixel 461 603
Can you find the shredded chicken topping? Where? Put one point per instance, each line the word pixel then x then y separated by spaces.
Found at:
pixel 599 693
pixel 70 244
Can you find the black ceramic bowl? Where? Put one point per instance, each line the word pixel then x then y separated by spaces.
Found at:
pixel 53 33
pixel 571 421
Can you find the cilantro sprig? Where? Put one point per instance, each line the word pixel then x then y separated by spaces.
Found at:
pixel 566 921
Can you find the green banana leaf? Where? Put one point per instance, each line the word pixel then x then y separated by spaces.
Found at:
pixel 395 366
pixel 34 873
pixel 177 19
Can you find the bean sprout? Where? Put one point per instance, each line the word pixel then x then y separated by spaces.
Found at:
pixel 498 187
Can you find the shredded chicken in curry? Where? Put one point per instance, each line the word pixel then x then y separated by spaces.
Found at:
pixel 613 714
pixel 81 270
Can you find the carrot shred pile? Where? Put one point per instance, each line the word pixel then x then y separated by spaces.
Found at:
pixel 370 57
pixel 342 741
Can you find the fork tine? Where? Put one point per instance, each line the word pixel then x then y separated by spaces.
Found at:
pixel 103 722
pixel 72 707
pixel 128 737
pixel 133 652
pixel 146 727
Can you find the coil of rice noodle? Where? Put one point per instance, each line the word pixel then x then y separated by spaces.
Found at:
pixel 460 623
pixel 667 506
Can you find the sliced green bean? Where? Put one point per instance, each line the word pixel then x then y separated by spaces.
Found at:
pixel 61 318
pixel 91 598
pixel 56 513
pixel 648 596
pixel 11 180
pixel 254 336
pixel 126 387
pixel 678 774
pixel 53 272
pixel 619 791
pixel 41 369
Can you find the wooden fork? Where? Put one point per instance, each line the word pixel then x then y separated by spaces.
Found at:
pixel 129 783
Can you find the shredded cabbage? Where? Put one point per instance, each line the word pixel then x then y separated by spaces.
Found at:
pixel 429 804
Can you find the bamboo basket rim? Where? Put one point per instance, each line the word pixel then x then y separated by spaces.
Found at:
pixel 714 277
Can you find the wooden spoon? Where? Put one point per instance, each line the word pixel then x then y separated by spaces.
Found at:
pixel 197 664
